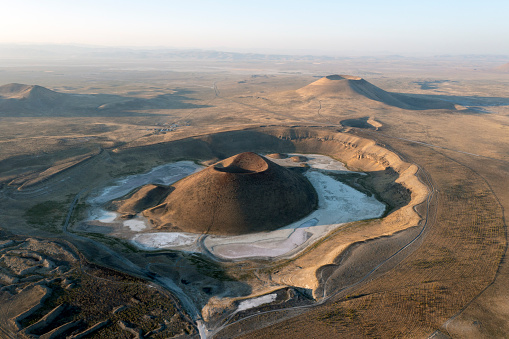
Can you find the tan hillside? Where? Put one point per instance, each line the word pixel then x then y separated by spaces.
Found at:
pixel 242 194
pixel 146 197
pixel 29 92
pixel 347 86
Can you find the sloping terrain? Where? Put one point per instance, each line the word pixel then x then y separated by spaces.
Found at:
pixel 347 86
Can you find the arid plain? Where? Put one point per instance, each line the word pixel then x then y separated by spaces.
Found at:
pixel 432 136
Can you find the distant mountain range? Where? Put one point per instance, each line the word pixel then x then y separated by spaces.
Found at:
pixel 75 52
pixel 80 52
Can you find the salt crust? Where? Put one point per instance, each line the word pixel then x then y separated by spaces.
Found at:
pixel 338 204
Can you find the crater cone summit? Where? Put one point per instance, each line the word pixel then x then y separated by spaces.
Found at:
pixel 242 194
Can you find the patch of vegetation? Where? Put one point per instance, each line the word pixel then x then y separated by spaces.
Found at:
pixel 354 296
pixel 79 212
pixel 339 316
pixel 208 268
pixel 49 214
pixel 458 191
pixel 117 243
pixel 428 263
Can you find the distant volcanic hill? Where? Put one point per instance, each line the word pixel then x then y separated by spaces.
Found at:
pixel 347 86
pixel 242 194
pixel 29 92
pixel 19 97
pixel 34 100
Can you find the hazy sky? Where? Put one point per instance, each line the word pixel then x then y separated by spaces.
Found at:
pixel 321 27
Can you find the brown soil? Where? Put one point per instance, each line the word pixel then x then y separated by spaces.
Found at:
pixel 146 197
pixel 242 194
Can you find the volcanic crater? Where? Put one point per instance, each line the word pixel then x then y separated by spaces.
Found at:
pixel 245 193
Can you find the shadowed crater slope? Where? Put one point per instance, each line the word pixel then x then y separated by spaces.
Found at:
pixel 242 194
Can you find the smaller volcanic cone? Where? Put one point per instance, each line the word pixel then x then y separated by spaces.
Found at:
pixel 242 194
